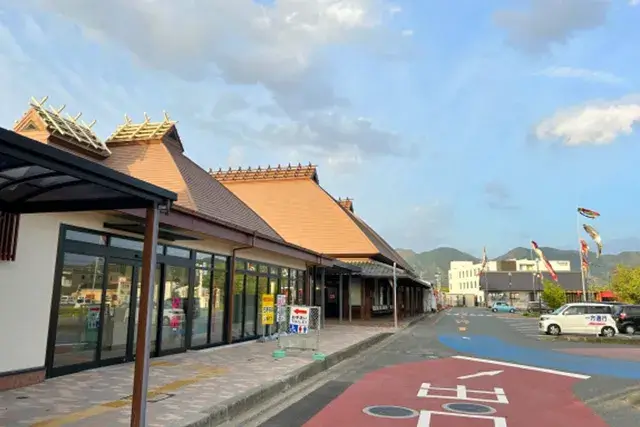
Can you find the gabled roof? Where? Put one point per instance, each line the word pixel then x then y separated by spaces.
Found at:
pixel 346 203
pixel 70 129
pixel 161 162
pixel 303 213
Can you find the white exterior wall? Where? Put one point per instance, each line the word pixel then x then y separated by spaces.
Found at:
pixel 26 285
pixel 464 279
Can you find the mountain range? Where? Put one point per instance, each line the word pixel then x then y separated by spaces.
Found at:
pixel 431 262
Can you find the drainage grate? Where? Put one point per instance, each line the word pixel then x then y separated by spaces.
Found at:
pixel 469 408
pixel 389 411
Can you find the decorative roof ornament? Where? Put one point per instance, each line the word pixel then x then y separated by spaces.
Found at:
pixel 70 128
pixel 147 130
pixel 269 173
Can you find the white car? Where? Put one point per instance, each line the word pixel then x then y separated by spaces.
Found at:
pixel 580 318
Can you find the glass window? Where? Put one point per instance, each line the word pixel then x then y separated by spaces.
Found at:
pixel 250 306
pixel 117 311
pixel 599 309
pixel 120 242
pixel 300 290
pixel 154 314
pixel 178 252
pixel 174 308
pixel 78 310
pixel 252 266
pixel 220 262
pixel 204 260
pixel 216 325
pixel 238 307
pixel 273 271
pixel 82 236
pixel 284 272
pixel 160 250
pixel 575 310
pixel 201 297
pixel 263 289
pixel 263 269
pixel 241 264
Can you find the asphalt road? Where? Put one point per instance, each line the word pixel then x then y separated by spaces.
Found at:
pixel 467 367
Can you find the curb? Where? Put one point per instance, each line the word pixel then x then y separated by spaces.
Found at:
pixel 222 413
pixel 591 340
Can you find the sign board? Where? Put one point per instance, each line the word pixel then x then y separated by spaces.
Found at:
pixel 299 319
pixel 267 309
pixel 281 313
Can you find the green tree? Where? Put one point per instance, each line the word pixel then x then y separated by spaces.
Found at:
pixel 625 284
pixel 553 294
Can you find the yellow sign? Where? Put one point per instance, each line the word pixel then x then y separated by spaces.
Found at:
pixel 267 309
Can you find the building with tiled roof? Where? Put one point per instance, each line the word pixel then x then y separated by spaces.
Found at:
pixel 216 257
pixel 291 200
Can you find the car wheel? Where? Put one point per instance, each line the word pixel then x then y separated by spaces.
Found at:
pixel 553 329
pixel 608 332
pixel 630 329
pixel 495 310
pixel 513 310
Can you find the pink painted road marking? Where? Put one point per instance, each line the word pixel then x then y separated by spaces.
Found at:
pixel 521 398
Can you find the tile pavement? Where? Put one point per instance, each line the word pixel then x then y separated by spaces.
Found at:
pixel 184 386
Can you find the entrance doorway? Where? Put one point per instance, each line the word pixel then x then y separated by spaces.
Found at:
pixel 97 313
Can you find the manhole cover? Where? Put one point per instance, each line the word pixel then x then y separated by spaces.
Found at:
pixel 388 411
pixel 469 408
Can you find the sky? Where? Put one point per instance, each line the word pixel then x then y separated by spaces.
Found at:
pixel 460 123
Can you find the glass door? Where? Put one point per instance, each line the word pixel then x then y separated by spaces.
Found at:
pixel 119 310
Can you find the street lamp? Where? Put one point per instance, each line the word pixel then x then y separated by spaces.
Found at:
pixel 510 293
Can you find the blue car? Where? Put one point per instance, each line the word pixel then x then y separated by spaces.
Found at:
pixel 502 307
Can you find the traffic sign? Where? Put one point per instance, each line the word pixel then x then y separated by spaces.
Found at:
pixel 299 320
pixel 267 309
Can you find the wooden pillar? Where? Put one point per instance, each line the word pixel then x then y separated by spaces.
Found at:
pixel 143 345
pixel 322 296
pixel 363 288
pixel 349 298
pixel 340 300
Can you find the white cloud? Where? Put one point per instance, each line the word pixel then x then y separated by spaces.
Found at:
pixel 634 2
pixel 407 33
pixel 547 22
pixel 278 46
pixel 593 123
pixel 431 225
pixel 582 73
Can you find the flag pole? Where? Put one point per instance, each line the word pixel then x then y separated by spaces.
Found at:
pixel 395 297
pixel 533 273
pixel 584 286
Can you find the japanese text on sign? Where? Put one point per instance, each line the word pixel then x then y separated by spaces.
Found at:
pixel 597 318
pixel 299 320
pixel 267 310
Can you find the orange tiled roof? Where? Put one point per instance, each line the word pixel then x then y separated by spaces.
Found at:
pixel 160 161
pixel 303 213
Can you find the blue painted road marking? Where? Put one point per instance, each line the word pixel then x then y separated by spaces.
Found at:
pixel 493 348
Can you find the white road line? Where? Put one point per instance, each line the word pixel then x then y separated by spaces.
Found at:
pixel 530 368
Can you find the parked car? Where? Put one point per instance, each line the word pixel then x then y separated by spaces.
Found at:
pixel 502 307
pixel 627 318
pixel 580 318
pixel 538 307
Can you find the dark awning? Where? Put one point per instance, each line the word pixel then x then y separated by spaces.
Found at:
pixel 38 178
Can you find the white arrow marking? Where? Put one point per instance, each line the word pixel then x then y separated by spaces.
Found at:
pixel 480 374
pixel 466 338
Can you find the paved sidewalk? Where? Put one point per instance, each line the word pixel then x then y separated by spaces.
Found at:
pixel 184 389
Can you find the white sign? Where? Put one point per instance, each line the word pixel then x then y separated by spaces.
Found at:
pixel 299 319
pixel 281 300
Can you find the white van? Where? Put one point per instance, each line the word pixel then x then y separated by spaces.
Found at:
pixel 580 318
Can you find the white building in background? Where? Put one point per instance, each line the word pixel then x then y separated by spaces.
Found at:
pixel 464 278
